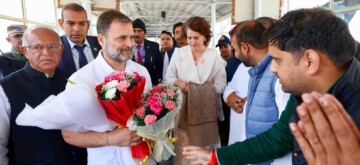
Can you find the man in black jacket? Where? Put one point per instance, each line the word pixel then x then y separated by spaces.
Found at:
pixel 147 53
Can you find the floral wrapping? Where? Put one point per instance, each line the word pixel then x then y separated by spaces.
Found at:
pixel 119 94
pixel 155 117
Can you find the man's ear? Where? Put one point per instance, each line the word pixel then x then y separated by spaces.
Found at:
pixel 8 39
pixel 244 47
pixel 24 51
pixel 61 23
pixel 312 61
pixel 101 40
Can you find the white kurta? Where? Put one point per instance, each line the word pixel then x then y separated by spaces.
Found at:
pixel 239 85
pixel 85 113
pixel 210 68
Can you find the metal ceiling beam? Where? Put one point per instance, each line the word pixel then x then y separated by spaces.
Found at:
pixel 202 10
pixel 144 1
pixel 139 6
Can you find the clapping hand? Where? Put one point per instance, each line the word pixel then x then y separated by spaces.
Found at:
pixel 326 133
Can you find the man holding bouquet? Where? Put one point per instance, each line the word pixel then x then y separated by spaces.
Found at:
pixel 116 37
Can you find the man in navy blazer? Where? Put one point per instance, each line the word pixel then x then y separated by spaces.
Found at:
pixel 147 52
pixel 79 49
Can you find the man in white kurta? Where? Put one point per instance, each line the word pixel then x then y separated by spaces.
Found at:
pixel 92 75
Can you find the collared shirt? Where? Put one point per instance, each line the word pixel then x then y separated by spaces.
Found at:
pixel 87 52
pixel 165 65
pixel 142 51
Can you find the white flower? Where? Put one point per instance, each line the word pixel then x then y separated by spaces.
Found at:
pixel 110 85
pixel 110 94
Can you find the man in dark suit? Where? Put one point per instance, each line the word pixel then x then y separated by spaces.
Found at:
pixel 79 49
pixel 147 52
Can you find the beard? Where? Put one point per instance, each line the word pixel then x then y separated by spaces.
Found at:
pixel 116 54
pixel 246 60
pixel 296 84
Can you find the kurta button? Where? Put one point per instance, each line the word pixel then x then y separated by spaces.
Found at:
pixel 295 154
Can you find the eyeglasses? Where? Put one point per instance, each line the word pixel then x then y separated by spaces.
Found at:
pixel 40 48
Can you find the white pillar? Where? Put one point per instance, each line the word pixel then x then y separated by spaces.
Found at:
pixel 257 9
pixel 213 21
pixel 87 6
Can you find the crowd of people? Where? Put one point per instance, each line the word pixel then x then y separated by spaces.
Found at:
pixel 279 92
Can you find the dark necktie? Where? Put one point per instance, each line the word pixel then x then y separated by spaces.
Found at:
pixel 139 56
pixel 82 58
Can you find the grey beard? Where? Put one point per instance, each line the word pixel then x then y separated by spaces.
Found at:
pixel 117 57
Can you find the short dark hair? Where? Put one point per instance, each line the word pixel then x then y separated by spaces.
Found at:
pixel 166 32
pixel 72 7
pixel 251 32
pixel 200 25
pixel 177 25
pixel 317 29
pixel 105 19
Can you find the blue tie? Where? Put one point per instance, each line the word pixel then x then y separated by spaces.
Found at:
pixel 82 58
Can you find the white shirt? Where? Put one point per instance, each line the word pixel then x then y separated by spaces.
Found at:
pixel 87 51
pixel 165 65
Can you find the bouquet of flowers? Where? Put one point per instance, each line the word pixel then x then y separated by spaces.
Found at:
pixel 119 94
pixel 155 117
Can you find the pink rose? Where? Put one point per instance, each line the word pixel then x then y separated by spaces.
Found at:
pixel 156 108
pixel 122 86
pixel 155 90
pixel 170 92
pixel 170 105
pixel 119 75
pixel 162 94
pixel 150 119
pixel 140 111
pixel 152 99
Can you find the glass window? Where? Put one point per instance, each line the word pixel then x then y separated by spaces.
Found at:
pixel 296 4
pixel 11 8
pixel 4 23
pixel 45 15
pixel 352 18
pixel 340 4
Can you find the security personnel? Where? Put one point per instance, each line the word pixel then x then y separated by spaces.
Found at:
pixel 15 33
